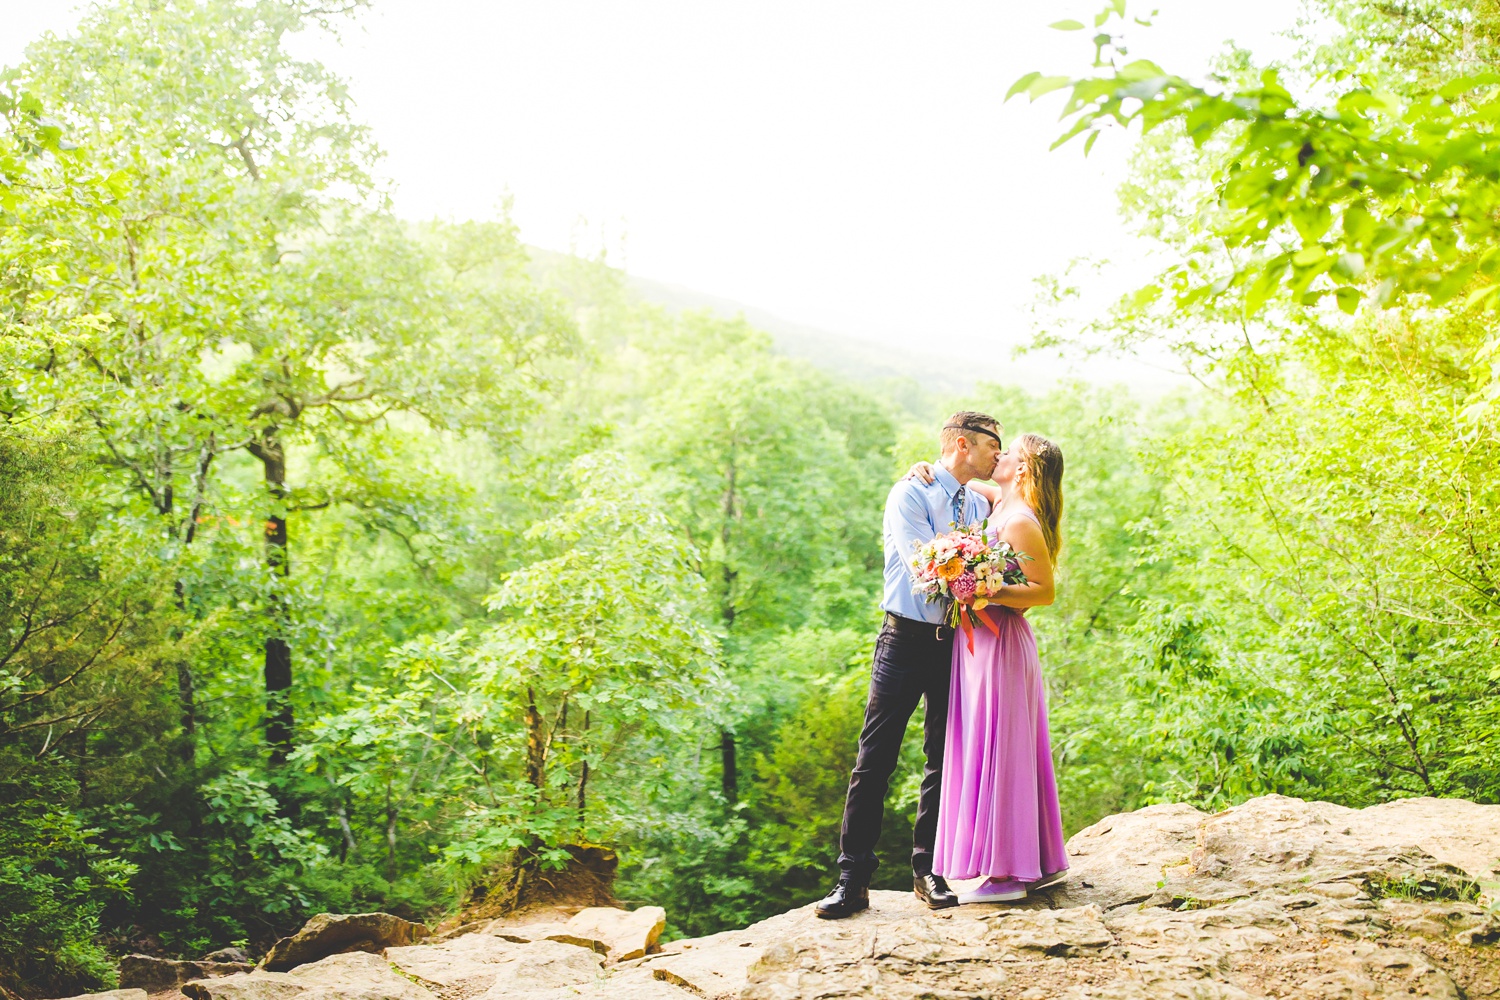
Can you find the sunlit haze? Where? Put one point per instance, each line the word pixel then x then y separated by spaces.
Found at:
pixel 847 166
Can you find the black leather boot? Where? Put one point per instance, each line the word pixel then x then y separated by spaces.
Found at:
pixel 847 898
pixel 932 890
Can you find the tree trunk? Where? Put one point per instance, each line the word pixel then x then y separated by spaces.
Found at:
pixel 536 745
pixel 348 848
pixel 186 687
pixel 731 771
pixel 186 699
pixel 583 779
pixel 278 654
pixel 390 833
pixel 726 533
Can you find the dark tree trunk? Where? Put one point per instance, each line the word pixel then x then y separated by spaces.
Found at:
pixel 186 697
pixel 536 746
pixel 278 655
pixel 583 778
pixel 731 770
pixel 186 686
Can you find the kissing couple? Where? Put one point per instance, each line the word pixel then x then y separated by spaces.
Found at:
pixel 988 802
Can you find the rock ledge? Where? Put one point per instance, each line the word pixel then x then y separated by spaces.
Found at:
pixel 1275 898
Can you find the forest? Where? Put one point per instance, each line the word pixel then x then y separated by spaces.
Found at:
pixel 350 562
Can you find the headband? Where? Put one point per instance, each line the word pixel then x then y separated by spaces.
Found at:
pixel 976 430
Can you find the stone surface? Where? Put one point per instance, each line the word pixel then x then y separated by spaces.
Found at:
pixel 544 964
pixel 626 934
pixel 132 994
pixel 712 967
pixel 230 954
pixel 1274 898
pixel 353 976
pixel 162 975
pixel 335 933
pixel 466 965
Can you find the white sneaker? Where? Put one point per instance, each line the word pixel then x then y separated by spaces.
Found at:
pixel 995 890
pixel 1046 880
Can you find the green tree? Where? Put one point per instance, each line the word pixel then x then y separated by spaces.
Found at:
pixel 767 466
pixel 1330 638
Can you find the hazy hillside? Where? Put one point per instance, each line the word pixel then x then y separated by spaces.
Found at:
pixel 911 379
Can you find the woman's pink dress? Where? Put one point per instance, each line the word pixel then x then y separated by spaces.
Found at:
pixel 998 814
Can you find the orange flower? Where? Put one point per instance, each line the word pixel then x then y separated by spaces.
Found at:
pixel 952 569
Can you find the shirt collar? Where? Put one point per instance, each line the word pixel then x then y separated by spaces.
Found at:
pixel 946 480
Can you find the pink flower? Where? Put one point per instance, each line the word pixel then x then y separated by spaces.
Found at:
pixel 963 587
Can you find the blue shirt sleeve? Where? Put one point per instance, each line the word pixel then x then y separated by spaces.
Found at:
pixel 908 523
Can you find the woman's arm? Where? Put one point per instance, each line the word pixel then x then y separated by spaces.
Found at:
pixel 988 491
pixel 1025 536
pixel 924 472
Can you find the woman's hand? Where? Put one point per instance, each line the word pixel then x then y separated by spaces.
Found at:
pixel 921 470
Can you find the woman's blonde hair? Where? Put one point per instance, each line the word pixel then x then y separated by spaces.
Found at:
pixel 1041 486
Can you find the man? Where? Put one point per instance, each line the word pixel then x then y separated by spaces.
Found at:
pixel 913 661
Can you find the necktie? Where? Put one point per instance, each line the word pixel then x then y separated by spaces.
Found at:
pixel 959 499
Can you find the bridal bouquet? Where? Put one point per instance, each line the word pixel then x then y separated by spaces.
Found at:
pixel 967 567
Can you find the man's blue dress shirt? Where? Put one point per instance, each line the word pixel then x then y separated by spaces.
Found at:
pixel 915 514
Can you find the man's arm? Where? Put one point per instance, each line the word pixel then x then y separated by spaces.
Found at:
pixel 908 522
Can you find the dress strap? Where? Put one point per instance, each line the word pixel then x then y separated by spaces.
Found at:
pixel 1023 512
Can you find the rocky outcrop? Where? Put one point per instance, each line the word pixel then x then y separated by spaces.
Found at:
pixel 336 933
pixel 626 934
pixel 351 976
pixel 1274 898
pixel 163 975
pixel 1277 897
pixel 227 956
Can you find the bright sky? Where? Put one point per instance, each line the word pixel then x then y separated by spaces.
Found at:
pixel 848 165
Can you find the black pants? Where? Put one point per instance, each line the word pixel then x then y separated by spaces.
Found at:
pixel 909 665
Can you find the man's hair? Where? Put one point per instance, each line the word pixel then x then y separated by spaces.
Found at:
pixel 968 424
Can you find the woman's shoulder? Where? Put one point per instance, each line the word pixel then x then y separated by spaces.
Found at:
pixel 1002 518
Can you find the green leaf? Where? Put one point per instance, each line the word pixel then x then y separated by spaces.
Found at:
pixel 1141 69
pixel 1348 298
pixel 1349 265
pixel 1046 85
pixel 1068 25
pixel 1483 295
pixel 1020 86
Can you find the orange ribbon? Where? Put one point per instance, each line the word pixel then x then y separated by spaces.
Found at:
pixel 963 621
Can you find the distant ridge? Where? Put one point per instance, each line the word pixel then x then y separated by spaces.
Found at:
pixel 837 354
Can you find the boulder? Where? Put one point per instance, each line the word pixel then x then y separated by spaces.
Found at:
pixel 335 933
pixel 626 934
pixel 526 933
pixel 163 975
pixel 230 954
pixel 132 994
pixel 466 964
pixel 712 967
pixel 544 965
pixel 352 976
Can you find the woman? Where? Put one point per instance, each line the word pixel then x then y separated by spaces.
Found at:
pixel 998 815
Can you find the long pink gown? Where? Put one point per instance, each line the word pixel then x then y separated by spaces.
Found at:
pixel 998 814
